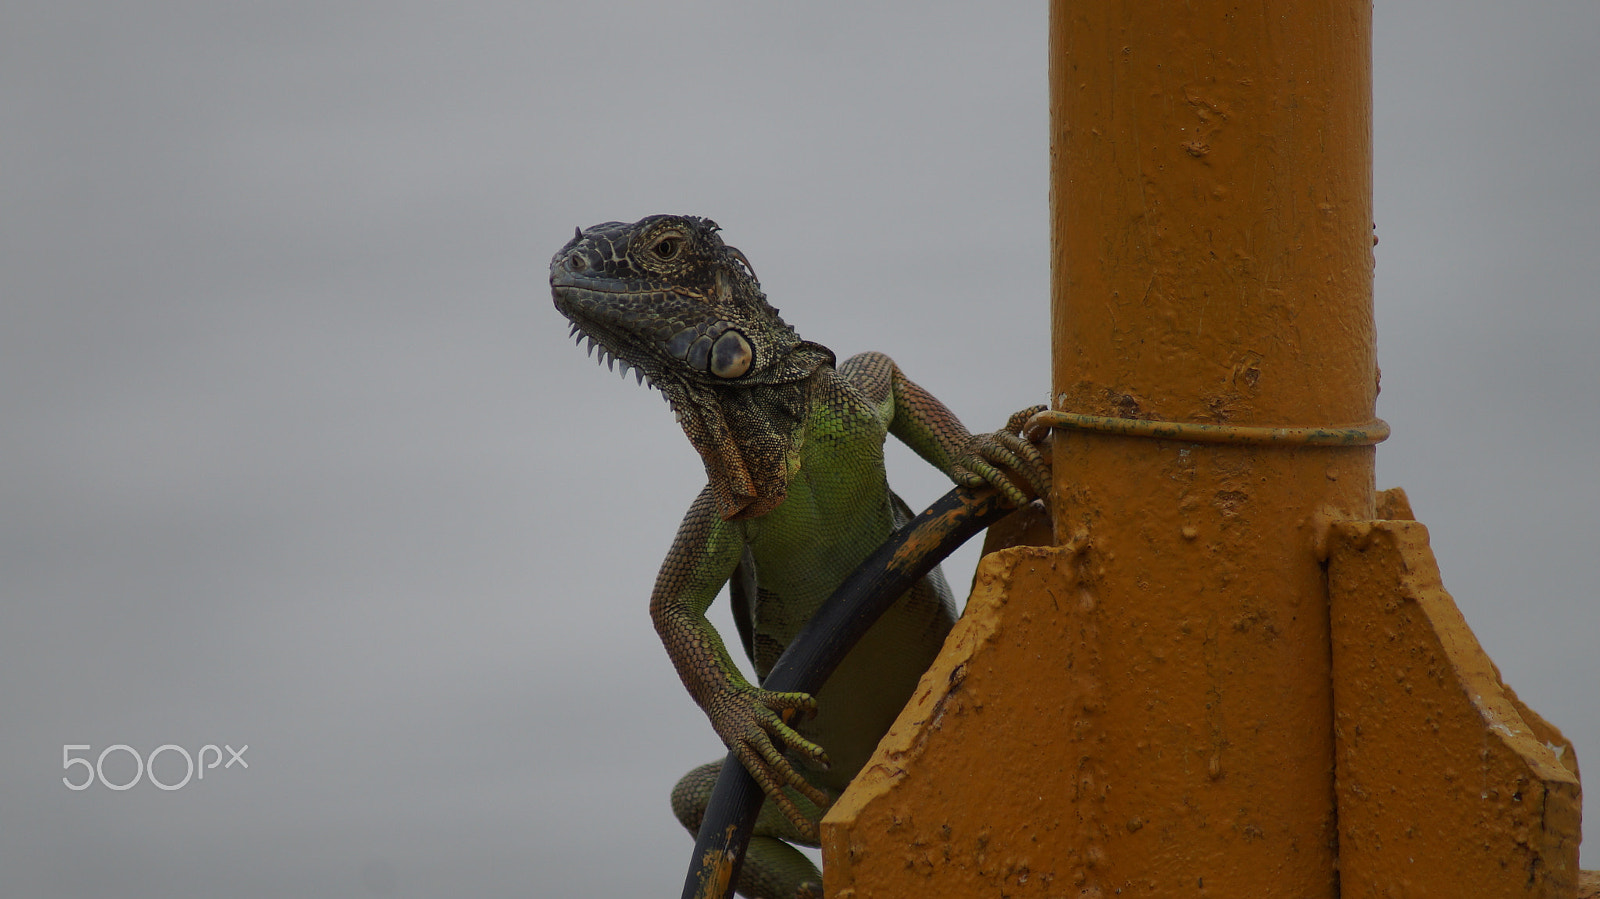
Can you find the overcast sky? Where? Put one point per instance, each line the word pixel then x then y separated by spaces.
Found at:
pixel 297 454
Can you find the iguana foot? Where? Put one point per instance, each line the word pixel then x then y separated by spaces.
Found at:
pixel 1007 461
pixel 754 725
pixel 772 868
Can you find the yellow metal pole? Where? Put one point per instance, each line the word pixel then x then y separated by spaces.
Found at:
pixel 1213 263
pixel 1147 709
pixel 1226 679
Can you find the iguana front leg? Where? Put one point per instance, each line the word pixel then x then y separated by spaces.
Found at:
pixel 752 722
pixel 1003 459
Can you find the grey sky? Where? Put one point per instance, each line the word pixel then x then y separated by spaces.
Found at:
pixel 297 454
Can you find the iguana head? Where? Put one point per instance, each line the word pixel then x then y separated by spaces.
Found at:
pixel 684 311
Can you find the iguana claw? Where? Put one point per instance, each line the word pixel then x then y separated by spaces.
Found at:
pixel 1006 461
pixel 753 723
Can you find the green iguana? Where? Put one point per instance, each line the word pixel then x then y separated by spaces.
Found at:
pixel 796 497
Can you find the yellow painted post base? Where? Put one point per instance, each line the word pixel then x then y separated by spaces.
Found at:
pixel 972 791
pixel 1002 777
pixel 1447 784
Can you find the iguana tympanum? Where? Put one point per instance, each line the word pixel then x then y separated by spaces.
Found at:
pixel 796 497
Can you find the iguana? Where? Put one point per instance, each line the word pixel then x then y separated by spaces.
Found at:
pixel 796 497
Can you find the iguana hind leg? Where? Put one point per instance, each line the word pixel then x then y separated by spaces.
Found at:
pixel 773 869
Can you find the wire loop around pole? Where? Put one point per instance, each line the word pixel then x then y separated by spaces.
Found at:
pixel 1375 431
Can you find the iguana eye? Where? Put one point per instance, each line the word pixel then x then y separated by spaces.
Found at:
pixel 667 247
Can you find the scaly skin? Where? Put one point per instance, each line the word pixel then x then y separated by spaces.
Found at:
pixel 795 498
